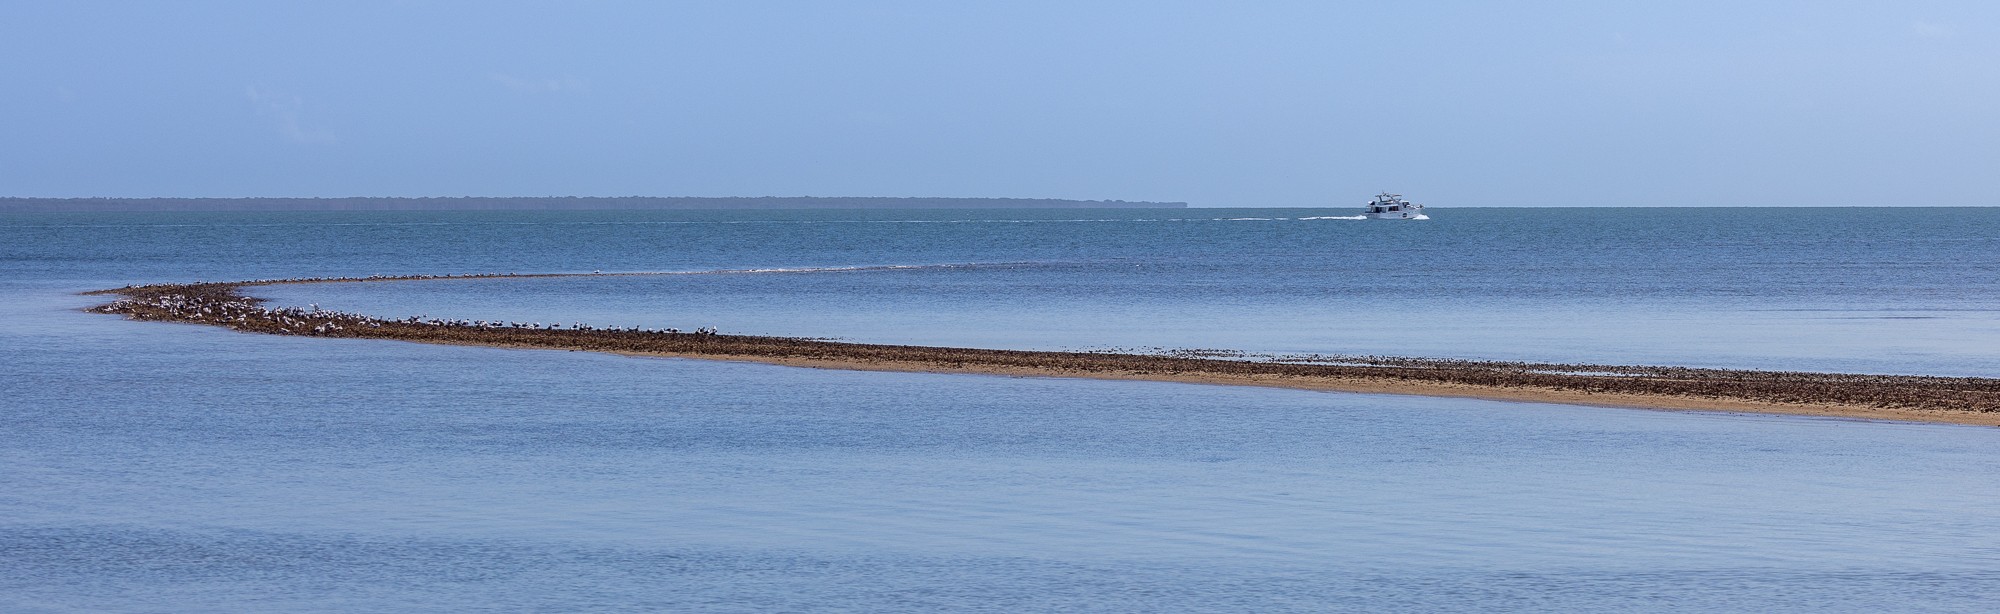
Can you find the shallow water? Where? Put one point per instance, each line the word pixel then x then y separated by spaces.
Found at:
pixel 165 467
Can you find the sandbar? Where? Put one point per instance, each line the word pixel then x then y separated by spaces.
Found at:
pixel 1917 398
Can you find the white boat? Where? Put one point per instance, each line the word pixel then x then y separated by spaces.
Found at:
pixel 1388 206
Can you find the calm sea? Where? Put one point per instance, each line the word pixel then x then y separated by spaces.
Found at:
pixel 160 467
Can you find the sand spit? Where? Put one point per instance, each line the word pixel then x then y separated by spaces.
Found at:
pixel 1961 400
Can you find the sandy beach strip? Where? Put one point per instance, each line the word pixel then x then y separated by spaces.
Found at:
pixel 1955 400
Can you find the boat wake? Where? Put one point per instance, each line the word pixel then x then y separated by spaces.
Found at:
pixel 837 269
pixel 486 276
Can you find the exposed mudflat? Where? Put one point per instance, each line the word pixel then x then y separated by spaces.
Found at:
pixel 1964 400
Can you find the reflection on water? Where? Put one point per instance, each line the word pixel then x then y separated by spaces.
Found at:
pixel 158 467
pixel 392 476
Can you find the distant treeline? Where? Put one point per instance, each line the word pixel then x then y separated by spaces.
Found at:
pixel 575 203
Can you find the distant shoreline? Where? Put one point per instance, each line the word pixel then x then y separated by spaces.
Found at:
pixel 551 203
pixel 1954 400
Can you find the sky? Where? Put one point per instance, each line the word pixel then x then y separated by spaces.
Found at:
pixel 1250 104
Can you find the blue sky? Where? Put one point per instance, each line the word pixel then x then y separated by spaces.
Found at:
pixel 1216 104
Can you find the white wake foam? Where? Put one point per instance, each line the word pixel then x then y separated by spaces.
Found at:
pixel 842 269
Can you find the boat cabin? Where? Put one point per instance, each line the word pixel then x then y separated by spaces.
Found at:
pixel 1392 206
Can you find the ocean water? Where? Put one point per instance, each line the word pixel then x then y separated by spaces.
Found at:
pixel 164 467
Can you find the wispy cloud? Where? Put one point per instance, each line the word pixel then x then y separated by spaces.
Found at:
pixel 530 85
pixel 283 111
